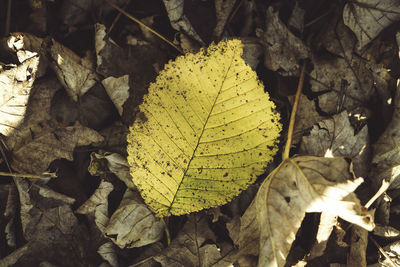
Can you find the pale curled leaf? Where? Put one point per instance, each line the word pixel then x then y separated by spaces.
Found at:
pixel 205 131
pixel 299 185
pixel 15 87
pixel 76 74
pixel 133 224
pixel 367 18
pixel 118 90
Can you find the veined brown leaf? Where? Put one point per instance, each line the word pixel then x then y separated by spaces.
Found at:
pixel 205 131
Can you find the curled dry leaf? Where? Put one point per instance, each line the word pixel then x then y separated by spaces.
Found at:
pixel 15 88
pixel 367 18
pixel 298 185
pixel 133 224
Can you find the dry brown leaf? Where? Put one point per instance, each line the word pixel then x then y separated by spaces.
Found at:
pixel 118 90
pixel 15 87
pixel 306 117
pixel 283 50
pixel 367 18
pixel 386 156
pixel 298 185
pixel 336 137
pixel 50 227
pixel 344 79
pixel 178 19
pixel 133 224
pixel 188 248
pixel 97 205
pixel 223 9
pixel 76 74
pixel 40 139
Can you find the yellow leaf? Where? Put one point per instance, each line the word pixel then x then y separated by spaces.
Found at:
pixel 205 131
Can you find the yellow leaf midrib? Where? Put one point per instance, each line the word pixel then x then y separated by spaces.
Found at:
pixel 201 134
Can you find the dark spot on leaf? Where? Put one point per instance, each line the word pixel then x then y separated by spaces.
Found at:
pixel 226 174
pixel 287 199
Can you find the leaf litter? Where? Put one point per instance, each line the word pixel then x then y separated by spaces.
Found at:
pixel 58 116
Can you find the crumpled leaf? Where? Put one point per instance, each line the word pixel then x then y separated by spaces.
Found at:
pixel 367 18
pixel 76 74
pixel 40 139
pixel 336 137
pixel 283 50
pixel 189 247
pixel 15 87
pixel 118 90
pixel 298 185
pixel 205 132
pixel 133 224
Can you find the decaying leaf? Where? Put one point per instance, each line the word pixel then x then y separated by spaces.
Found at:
pixel 15 87
pixel 189 247
pixel 367 18
pixel 306 117
pixel 336 137
pixel 283 50
pixel 39 140
pixel 298 185
pixel 344 80
pixel 133 224
pixel 223 9
pixel 205 131
pixel 103 163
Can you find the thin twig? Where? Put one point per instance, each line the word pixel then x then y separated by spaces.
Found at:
pixel 144 25
pixel 381 250
pixel 28 175
pixel 285 154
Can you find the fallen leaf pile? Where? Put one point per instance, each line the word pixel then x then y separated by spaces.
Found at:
pixel 123 147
